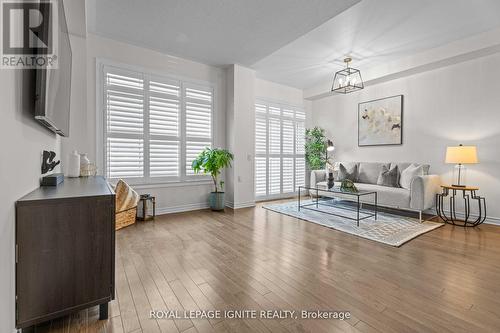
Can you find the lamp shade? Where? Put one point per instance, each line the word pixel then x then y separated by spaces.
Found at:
pixel 330 146
pixel 461 155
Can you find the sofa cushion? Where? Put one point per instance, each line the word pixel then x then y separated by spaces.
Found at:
pixel 388 177
pixel 386 196
pixel 408 174
pixel 322 185
pixel 346 172
pixel 404 165
pixel 368 172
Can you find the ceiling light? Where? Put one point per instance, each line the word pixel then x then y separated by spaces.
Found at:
pixel 347 80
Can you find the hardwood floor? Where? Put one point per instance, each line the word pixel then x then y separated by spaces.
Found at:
pixel 444 281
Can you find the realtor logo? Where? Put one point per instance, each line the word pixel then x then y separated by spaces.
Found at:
pixel 29 34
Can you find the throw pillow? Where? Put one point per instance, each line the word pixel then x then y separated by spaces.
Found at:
pixel 388 177
pixel 344 174
pixel 409 173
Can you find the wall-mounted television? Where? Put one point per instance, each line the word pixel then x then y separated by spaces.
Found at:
pixel 53 85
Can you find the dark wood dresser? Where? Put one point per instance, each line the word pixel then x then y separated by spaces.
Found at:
pixel 65 250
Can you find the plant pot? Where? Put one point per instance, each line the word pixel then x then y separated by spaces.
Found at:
pixel 216 200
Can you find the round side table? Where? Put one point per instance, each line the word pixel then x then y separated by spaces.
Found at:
pixel 468 194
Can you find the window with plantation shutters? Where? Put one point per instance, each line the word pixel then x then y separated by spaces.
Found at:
pixel 153 126
pixel 279 150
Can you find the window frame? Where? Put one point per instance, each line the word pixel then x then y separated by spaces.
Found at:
pixel 148 75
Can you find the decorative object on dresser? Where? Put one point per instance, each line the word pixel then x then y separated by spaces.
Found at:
pixel 52 180
pixel 48 161
pixel 126 205
pixel 65 250
pixel 347 80
pixel 419 197
pixel 73 164
pixel 468 193
pixel 212 161
pixel 461 155
pixel 380 122
pixel 146 209
pixel 87 168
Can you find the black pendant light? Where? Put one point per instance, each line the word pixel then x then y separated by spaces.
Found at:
pixel 347 80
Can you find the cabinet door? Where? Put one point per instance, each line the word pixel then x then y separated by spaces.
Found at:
pixel 64 252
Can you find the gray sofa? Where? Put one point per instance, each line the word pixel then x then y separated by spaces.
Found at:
pixel 420 196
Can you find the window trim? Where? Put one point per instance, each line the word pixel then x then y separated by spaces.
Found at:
pixel 144 182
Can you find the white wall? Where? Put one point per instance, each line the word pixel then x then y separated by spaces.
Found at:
pixel 170 198
pixel 23 141
pixel 240 136
pixel 448 106
pixel 278 93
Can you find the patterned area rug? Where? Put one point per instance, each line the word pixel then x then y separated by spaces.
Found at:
pixel 388 228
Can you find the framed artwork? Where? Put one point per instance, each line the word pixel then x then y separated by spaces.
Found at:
pixel 380 122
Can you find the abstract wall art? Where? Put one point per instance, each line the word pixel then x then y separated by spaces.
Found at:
pixel 380 122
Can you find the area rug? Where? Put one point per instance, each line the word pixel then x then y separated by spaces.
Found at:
pixel 389 229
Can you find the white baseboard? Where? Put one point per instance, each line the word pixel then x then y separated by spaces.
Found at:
pixel 238 205
pixel 182 208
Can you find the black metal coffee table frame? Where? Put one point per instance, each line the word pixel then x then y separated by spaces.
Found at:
pixel 330 202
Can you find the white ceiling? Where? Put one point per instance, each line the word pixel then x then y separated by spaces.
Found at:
pixel 294 42
pixel 373 32
pixel 216 32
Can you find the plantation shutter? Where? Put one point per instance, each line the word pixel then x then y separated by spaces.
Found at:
pixel 260 150
pixel 124 131
pixel 164 128
pixel 300 161
pixel 279 150
pixel 199 110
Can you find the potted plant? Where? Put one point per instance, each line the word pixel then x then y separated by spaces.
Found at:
pixel 316 144
pixel 212 161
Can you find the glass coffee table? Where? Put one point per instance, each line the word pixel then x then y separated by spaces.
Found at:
pixel 329 200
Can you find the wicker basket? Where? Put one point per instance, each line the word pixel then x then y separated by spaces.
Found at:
pixel 125 218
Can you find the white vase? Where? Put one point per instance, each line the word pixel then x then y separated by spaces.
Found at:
pixel 84 164
pixel 74 164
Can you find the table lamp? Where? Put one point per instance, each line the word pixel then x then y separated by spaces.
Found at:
pixel 461 155
pixel 329 148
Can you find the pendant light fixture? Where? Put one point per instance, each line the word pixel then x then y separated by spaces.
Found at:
pixel 347 80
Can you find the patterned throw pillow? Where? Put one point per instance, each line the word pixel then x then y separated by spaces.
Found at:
pixel 344 174
pixel 388 177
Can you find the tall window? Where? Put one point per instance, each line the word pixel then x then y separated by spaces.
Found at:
pixel 279 150
pixel 153 126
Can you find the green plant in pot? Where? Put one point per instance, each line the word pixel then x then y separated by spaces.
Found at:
pixel 316 144
pixel 212 161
